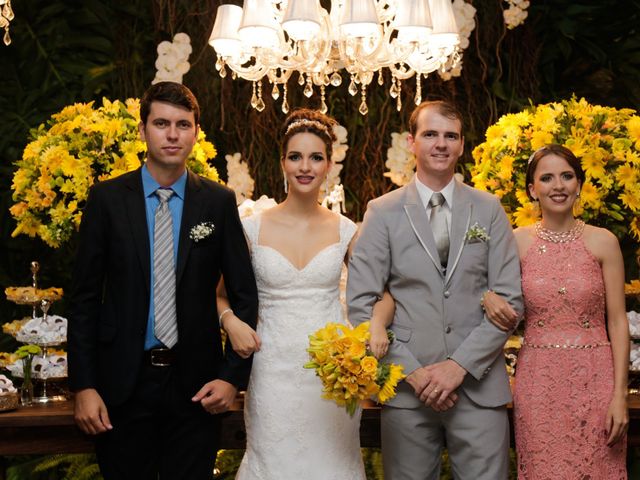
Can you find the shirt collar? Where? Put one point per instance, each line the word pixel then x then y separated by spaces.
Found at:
pixel 425 192
pixel 150 185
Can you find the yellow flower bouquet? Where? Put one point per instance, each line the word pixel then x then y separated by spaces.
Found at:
pixel 81 145
pixel 349 372
pixel 605 139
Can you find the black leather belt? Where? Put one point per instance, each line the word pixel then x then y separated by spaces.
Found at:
pixel 160 357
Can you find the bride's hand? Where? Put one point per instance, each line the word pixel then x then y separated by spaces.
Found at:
pixel 379 341
pixel 244 339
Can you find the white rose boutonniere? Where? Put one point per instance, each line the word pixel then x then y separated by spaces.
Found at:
pixel 201 231
pixel 477 233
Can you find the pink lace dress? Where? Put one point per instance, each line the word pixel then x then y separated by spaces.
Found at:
pixel 564 376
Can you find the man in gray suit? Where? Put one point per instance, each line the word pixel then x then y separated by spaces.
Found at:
pixel 438 256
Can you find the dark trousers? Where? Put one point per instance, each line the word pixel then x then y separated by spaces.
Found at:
pixel 159 433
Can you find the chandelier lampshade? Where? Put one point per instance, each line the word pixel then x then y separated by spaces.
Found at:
pixel 225 38
pixel 302 19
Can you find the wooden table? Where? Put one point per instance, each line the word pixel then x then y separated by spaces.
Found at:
pixel 49 429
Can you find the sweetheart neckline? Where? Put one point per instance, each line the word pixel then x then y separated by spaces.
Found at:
pixel 291 264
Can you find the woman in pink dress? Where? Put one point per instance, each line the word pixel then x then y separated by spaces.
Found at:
pixel 570 399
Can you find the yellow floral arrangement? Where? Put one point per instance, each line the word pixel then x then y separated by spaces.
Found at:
pixel 349 372
pixel 81 145
pixel 605 139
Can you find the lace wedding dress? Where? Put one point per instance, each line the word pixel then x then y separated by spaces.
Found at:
pixel 292 432
pixel 564 376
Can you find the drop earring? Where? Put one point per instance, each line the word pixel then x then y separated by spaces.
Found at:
pixel 326 186
pixel 286 184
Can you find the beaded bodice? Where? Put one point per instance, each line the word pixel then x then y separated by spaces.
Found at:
pixel 564 295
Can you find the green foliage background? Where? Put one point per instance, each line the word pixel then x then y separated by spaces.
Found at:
pixel 66 51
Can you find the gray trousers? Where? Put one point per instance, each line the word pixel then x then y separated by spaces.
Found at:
pixel 477 439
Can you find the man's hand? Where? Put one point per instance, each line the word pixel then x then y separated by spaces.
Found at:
pixel 216 396
pixel 421 381
pixel 442 380
pixel 90 412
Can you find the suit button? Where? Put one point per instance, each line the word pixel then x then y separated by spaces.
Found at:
pixel 447 330
pixel 447 294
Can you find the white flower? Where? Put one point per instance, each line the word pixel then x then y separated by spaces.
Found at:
pixel 181 38
pixel 249 207
pixel 516 13
pixel 6 385
pixel 172 62
pixel 634 323
pixel 240 180
pixel 340 148
pixel 335 199
pixel 201 231
pixel 401 161
pixel 477 231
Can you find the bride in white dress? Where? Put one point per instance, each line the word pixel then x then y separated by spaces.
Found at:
pixel 298 249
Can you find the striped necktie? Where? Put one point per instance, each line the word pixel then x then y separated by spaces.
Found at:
pixel 164 281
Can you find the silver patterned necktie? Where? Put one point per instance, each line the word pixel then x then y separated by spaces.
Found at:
pixel 439 227
pixel 164 275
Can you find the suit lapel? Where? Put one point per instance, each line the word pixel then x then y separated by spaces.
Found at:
pixel 460 220
pixel 191 213
pixel 137 216
pixel 420 224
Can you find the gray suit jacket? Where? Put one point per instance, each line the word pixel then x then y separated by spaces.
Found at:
pixel 437 316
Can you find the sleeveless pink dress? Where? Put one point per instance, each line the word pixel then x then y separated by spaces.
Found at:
pixel 564 375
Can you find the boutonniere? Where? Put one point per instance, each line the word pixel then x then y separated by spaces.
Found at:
pixel 201 231
pixel 477 232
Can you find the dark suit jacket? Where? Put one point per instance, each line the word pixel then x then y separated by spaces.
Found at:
pixel 110 293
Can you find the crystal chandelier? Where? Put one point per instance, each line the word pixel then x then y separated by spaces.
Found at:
pixel 275 38
pixel 6 15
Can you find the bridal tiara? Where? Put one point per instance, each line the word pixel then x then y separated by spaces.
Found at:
pixel 534 154
pixel 303 122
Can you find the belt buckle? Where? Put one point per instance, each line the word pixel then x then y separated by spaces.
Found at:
pixel 159 362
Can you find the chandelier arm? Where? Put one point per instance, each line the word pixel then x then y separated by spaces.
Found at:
pixel 252 74
pixel 284 76
pixel 402 74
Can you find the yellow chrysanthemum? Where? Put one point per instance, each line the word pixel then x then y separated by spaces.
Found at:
pixel 633 129
pixel 525 215
pixel 540 138
pixel 590 196
pixel 521 196
pixel 631 198
pixel 627 176
pixel 633 158
pixel 593 164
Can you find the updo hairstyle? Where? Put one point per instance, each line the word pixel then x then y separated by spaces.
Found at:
pixel 312 121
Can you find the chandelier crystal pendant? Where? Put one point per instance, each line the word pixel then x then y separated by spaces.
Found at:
pixel 6 15
pixel 275 38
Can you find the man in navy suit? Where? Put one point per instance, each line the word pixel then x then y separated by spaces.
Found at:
pixel 153 400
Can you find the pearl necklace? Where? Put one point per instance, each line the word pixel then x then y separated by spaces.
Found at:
pixel 560 237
